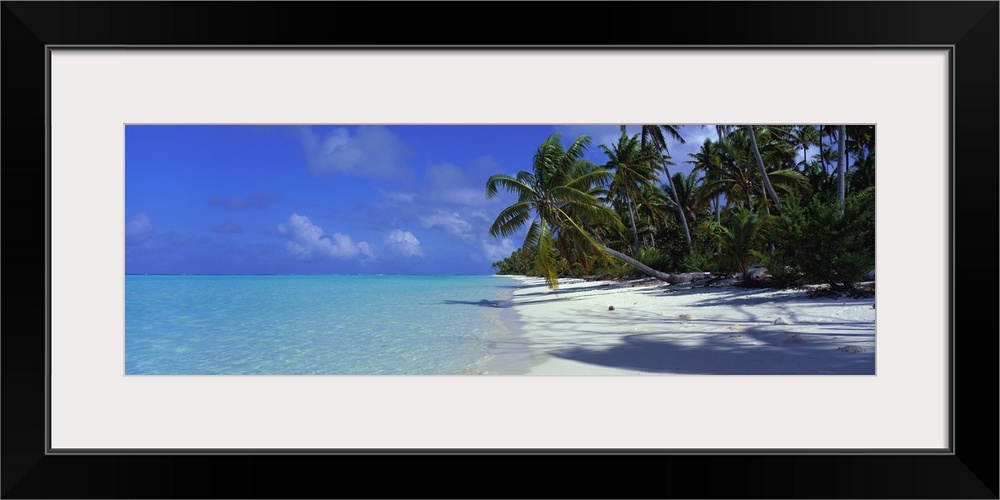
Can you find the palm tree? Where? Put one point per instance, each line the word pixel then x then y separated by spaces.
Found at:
pixel 735 176
pixel 860 138
pixel 745 234
pixel 631 164
pixel 654 136
pixel 559 198
pixel 830 131
pixel 654 204
pixel 686 187
pixel 859 141
pixel 861 175
pixel 722 131
pixel 825 156
pixel 742 188
pixel 760 163
pixel 822 183
pixel 841 163
pixel 709 160
pixel 805 136
pixel 559 184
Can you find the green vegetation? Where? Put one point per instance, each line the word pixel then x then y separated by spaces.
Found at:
pixel 825 245
pixel 754 197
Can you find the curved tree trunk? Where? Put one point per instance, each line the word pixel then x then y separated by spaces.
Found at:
pixel 841 164
pixel 763 171
pixel 631 216
pixel 677 203
pixel 636 264
pixel 822 158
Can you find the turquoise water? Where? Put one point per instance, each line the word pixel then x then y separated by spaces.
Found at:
pixel 320 325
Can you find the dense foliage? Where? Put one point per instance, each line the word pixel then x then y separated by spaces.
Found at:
pixel 754 198
pixel 824 243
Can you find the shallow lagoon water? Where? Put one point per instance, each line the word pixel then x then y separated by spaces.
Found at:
pixel 315 325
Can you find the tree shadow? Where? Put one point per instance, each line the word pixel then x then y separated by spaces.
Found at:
pixel 481 303
pixel 637 353
pixel 651 342
pixel 747 297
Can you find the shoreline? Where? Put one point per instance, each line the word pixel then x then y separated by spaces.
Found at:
pixel 682 329
pixel 508 349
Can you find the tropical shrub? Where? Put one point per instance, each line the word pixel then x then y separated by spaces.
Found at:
pixel 671 247
pixel 783 274
pixel 700 261
pixel 825 246
pixel 745 234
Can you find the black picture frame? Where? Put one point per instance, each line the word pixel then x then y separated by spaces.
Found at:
pixel 970 28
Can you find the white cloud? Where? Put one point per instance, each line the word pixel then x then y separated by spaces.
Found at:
pixel 445 175
pixel 483 216
pixel 453 185
pixel 366 250
pixel 451 222
pixel 484 166
pixel 405 243
pixel 464 196
pixel 695 135
pixel 139 229
pixel 308 241
pixel 372 151
pixel 398 197
pixel 498 251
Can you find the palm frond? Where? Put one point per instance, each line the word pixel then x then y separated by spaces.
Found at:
pixel 544 264
pixel 511 219
pixel 531 237
pixel 790 181
pixel 510 184
pixel 581 235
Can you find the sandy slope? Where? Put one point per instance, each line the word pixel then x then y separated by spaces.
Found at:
pixel 683 329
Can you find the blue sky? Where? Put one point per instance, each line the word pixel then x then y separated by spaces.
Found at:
pixel 400 199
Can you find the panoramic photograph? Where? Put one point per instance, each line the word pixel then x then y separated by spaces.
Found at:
pixel 500 250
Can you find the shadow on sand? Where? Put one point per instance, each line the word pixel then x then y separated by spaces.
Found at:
pixel 640 354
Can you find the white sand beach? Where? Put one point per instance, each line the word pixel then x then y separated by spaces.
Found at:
pixel 685 329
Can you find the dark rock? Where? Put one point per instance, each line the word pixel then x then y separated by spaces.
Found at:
pixel 612 308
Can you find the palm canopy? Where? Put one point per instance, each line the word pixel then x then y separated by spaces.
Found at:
pixel 686 186
pixel 560 197
pixel 804 136
pixel 632 165
pixel 731 171
pixel 655 136
pixel 709 159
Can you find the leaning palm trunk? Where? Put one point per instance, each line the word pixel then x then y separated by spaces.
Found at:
pixel 760 163
pixel 677 203
pixel 841 164
pixel 822 158
pixel 631 216
pixel 718 198
pixel 636 264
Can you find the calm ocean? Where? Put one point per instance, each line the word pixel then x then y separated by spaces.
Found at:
pixel 320 325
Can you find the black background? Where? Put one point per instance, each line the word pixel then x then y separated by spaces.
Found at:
pixel 971 472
